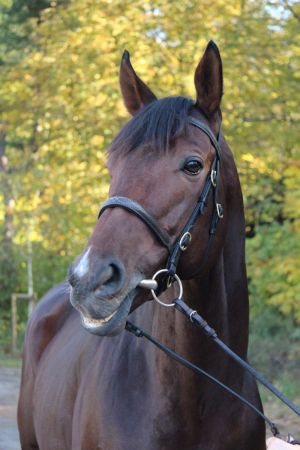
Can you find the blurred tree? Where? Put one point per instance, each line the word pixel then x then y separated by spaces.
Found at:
pixel 15 33
pixel 61 107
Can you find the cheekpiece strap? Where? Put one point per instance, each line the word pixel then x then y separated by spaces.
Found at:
pixel 210 184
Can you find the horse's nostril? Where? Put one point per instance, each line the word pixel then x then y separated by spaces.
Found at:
pixel 110 278
pixel 113 274
pixel 104 277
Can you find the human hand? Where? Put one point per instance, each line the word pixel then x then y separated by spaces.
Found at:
pixel 274 443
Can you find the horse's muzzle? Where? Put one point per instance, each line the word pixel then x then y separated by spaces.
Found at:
pixel 102 294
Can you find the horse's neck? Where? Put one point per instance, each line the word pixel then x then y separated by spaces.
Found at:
pixel 208 297
pixel 181 394
pixel 224 308
pixel 221 298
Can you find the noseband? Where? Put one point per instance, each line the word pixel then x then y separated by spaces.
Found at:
pixel 182 242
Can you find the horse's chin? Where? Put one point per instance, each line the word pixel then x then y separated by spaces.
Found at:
pixel 112 324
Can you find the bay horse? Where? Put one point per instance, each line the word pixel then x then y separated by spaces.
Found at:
pixel 87 383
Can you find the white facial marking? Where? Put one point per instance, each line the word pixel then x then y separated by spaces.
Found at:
pixel 82 267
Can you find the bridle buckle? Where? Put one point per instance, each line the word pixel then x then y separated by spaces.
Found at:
pixel 213 178
pixel 185 240
pixel 220 210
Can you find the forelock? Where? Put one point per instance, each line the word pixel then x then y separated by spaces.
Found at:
pixel 156 126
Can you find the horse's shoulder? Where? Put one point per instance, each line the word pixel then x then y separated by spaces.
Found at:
pixel 46 320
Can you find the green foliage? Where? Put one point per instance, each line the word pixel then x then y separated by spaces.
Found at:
pixel 8 276
pixel 273 257
pixel 9 361
pixel 274 343
pixel 61 106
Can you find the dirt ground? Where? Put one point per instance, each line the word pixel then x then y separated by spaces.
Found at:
pixel 9 387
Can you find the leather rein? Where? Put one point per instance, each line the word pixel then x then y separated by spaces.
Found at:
pixel 182 242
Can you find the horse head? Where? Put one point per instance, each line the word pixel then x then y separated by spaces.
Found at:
pixel 162 162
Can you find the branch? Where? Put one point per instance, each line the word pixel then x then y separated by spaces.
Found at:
pixel 15 144
pixel 3 158
pixel 291 9
pixel 271 117
pixel 21 168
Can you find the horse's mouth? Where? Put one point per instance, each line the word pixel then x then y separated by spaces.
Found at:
pixel 112 324
pixel 94 323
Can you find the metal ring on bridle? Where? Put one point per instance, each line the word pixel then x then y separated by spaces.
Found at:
pixel 185 237
pixel 167 305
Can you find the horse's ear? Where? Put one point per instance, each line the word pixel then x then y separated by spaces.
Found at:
pixel 209 80
pixel 135 93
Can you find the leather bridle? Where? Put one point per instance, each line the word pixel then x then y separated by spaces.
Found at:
pixel 185 237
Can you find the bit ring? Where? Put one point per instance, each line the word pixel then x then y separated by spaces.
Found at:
pixel 167 305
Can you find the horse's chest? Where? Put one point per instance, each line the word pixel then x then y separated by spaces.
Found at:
pixel 103 409
pixel 123 411
pixel 111 399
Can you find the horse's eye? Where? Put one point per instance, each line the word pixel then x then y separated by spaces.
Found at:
pixel 192 166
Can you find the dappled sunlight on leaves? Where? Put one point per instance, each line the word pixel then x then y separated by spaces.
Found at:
pixel 61 107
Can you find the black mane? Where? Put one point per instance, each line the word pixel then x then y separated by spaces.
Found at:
pixel 156 126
